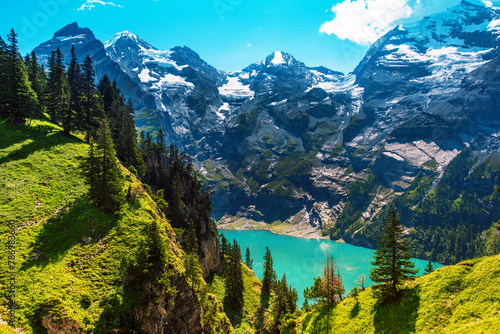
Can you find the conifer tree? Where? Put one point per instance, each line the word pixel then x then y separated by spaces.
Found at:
pixel 392 262
pixel 58 89
pixel 233 277
pixel 224 247
pixel 102 173
pixel 91 111
pixel 177 207
pixel 269 275
pixel 20 97
pixel 74 111
pixel 248 259
pixel 429 269
pixel 191 241
pixel 3 78
pixel 38 81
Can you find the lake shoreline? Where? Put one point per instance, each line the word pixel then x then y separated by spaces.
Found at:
pixel 280 228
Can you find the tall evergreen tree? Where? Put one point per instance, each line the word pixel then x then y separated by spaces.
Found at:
pixel 74 111
pixel 248 259
pixel 429 269
pixel 21 100
pixel 58 90
pixel 392 262
pixel 224 249
pixel 3 78
pixel 38 81
pixel 102 173
pixel 285 303
pixel 269 275
pixel 233 278
pixel 91 111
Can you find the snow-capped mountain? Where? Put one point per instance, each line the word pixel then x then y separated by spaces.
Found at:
pixel 86 44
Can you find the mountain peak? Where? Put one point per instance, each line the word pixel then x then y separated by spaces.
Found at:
pixel 279 58
pixel 127 37
pixel 73 29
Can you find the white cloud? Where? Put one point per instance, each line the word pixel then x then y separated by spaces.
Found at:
pixel 89 4
pixel 249 45
pixel 364 21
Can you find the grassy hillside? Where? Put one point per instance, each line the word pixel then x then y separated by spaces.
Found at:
pixel 74 260
pixel 464 298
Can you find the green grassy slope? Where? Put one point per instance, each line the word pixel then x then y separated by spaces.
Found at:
pixel 464 298
pixel 69 253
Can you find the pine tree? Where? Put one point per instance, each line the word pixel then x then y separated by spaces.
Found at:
pixel 429 269
pixel 285 303
pixel 92 112
pixel 73 113
pixel 38 81
pixel 21 100
pixel 248 259
pixel 190 239
pixel 224 247
pixel 233 278
pixel 392 264
pixel 58 89
pixel 177 211
pixel 3 78
pixel 102 173
pixel 193 271
pixel 269 275
pixel 130 151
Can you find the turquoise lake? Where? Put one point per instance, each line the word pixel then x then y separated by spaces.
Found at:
pixel 302 259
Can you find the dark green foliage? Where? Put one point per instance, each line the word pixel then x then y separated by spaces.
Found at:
pixel 58 90
pixel 187 199
pixel 269 275
pixel 190 239
pixel 92 106
pixel 224 247
pixel 429 269
pixel 248 259
pixel 102 173
pixel 74 112
pixel 392 263
pixel 233 277
pixel 19 98
pixel 285 303
pixel 38 79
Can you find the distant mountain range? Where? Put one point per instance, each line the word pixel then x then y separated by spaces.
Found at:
pixel 327 152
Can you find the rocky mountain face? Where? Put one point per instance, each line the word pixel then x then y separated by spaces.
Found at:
pixel 86 44
pixel 313 147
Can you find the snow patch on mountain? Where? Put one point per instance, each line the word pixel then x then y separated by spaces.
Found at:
pixel 234 88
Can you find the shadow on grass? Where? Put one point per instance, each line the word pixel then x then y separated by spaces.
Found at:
pixel 72 226
pixel 355 310
pixel 318 320
pixel 42 141
pixel 399 316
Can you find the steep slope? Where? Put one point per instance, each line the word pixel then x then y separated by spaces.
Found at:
pixel 464 298
pixel 81 269
pixel 86 44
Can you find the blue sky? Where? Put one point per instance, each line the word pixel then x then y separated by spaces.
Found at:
pixel 228 34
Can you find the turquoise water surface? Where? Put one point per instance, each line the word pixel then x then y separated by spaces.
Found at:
pixel 302 259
